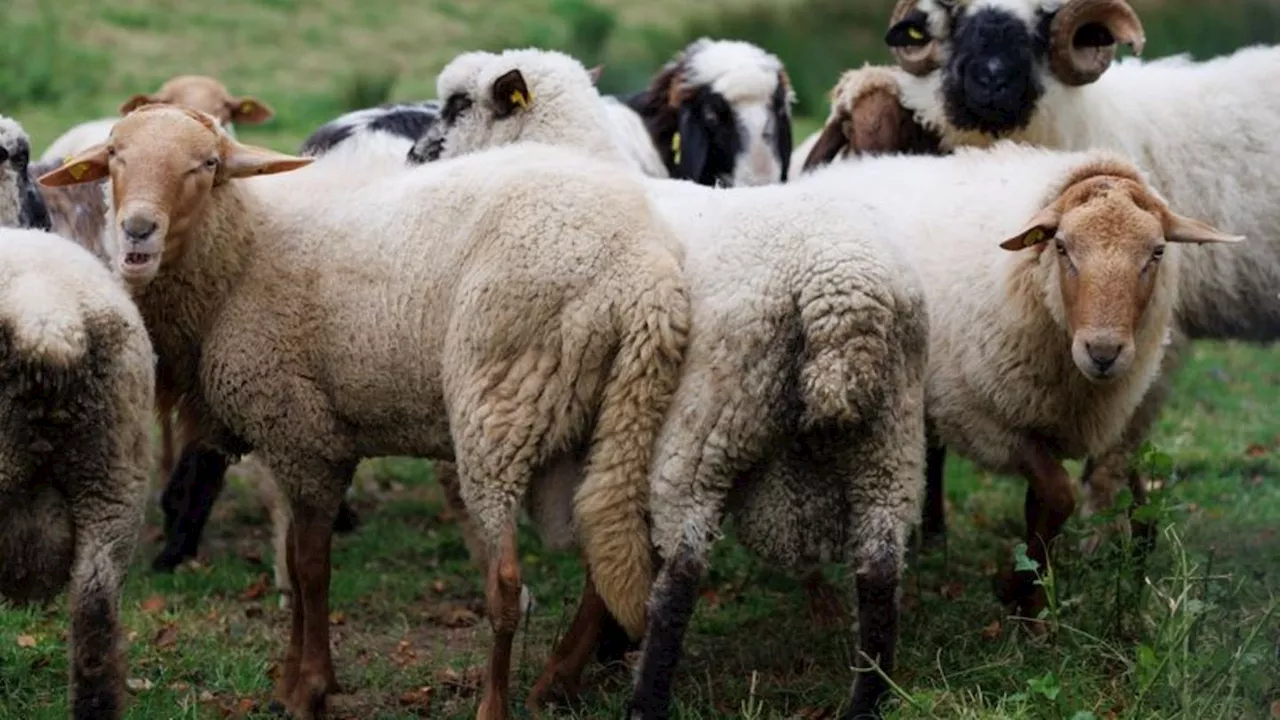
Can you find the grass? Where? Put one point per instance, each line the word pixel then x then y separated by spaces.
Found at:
pixel 1198 639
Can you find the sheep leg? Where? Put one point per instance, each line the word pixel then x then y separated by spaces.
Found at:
pixel 1049 503
pixel 671 604
pixel 187 502
pixel 934 522
pixel 825 607
pixel 288 679
pixel 570 657
pixel 502 594
pixel 877 579
pixel 312 540
pixel 446 473
pixel 166 444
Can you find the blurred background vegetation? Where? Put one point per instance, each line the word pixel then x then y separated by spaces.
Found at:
pixel 74 60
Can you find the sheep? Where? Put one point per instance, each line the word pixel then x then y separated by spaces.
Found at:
pixel 76 392
pixel 391 128
pixel 1203 131
pixel 197 91
pixel 718 113
pixel 866 118
pixel 527 320
pixel 21 204
pixel 803 382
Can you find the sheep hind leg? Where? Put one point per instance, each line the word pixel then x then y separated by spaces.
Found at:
pixel 288 678
pixel 671 605
pixel 877 578
pixel 572 653
pixel 502 595
pixel 187 502
pixel 312 546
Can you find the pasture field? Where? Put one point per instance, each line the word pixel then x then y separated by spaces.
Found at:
pixel 1195 635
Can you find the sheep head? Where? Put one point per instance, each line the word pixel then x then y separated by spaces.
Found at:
pixel 207 95
pixel 1108 232
pixel 164 162
pixel 21 204
pixel 993 58
pixel 868 118
pixel 720 113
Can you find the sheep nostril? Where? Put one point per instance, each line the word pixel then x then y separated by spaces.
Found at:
pixel 138 228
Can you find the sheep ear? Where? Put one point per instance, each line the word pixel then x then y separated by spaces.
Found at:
pixel 510 93
pixel 910 31
pixel 86 167
pixel 239 161
pixel 1181 229
pixel 1039 230
pixel 831 143
pixel 690 146
pixel 595 73
pixel 135 102
pixel 249 111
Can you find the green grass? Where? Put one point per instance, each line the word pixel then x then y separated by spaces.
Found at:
pixel 1197 640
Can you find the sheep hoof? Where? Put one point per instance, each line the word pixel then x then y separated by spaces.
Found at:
pixel 276 708
pixel 167 561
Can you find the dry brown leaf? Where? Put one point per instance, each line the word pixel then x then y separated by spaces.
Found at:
pixel 244 706
pixel 26 641
pixel 166 636
pixel 337 617
pixel 992 631
pixel 1255 450
pixel 438 586
pixel 456 616
pixel 468 679
pixel 153 604
pixel 418 699
pixel 137 685
pixel 951 590
pixel 257 589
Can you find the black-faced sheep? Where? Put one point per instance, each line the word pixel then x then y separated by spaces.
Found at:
pixel 391 128
pixel 295 323
pixel 21 204
pixel 76 399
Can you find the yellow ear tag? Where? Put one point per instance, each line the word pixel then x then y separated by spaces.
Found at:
pixel 246 107
pixel 518 98
pixel 675 148
pixel 77 171
pixel 1034 237
pixel 914 33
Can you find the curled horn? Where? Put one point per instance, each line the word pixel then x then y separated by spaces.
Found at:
pixel 920 60
pixel 1082 64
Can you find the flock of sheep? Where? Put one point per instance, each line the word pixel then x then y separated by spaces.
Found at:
pixel 628 317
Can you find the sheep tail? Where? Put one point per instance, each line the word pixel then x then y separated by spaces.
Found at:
pixel 612 502
pixel 849 349
pixel 45 322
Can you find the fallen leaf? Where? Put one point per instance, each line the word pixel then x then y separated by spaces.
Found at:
pixel 1255 450
pixel 244 706
pixel 992 631
pixel 179 686
pixel 1256 480
pixel 257 589
pixel 456 616
pixel 205 696
pixel 468 679
pixel 710 597
pixel 438 586
pixel 418 699
pixel 337 617
pixel 153 604
pixel 166 636
pixel 951 590
pixel 26 641
pixel 137 685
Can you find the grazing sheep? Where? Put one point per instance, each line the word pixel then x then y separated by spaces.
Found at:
pixel 391 128
pixel 528 317
pixel 867 118
pixel 21 204
pixel 76 393
pixel 719 113
pixel 1203 131
pixel 195 91
pixel 800 407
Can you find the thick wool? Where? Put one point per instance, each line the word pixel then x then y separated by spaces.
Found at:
pixel 77 380
pixel 487 349
pixel 800 405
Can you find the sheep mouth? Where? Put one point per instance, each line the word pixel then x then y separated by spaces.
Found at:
pixel 137 259
pixel 139 265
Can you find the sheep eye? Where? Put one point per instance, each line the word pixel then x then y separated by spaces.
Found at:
pixel 457 104
pixel 211 163
pixel 111 151
pixel 1061 247
pixel 1157 253
pixel 4 155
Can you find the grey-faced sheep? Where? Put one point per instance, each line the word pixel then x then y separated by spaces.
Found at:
pixel 76 393
pixel 518 312
pixel 21 204
pixel 800 406
pixel 1206 134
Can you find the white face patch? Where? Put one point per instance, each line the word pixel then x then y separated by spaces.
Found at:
pixel 756 163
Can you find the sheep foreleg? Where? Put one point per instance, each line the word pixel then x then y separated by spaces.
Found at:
pixel 502 593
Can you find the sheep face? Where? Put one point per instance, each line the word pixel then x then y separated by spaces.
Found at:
pixel 164 162
pixel 21 204
pixel 1107 233
pixel 992 60
pixel 206 95
pixel 720 114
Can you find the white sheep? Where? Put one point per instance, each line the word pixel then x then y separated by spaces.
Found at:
pixel 800 407
pixel 21 204
pixel 76 391
pixel 518 312
pixel 1207 133
pixel 390 129
pixel 196 91
pixel 1029 361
